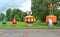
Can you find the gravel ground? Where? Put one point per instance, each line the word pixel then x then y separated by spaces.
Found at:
pixel 29 32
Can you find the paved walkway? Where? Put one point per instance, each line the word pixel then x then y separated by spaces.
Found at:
pixel 29 32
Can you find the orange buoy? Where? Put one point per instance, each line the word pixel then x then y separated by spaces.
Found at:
pixel 54 18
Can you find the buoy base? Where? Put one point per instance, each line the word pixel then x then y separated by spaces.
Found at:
pixel 29 24
pixel 50 25
pixel 14 23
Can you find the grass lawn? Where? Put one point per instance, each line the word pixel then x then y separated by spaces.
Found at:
pixel 23 25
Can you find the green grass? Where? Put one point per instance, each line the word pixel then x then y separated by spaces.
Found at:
pixel 23 25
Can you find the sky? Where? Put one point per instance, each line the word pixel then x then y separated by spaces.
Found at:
pixel 24 5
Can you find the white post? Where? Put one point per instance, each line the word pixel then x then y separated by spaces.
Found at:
pixel 50 23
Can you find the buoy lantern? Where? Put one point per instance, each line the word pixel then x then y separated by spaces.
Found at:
pixel 54 18
pixel 14 21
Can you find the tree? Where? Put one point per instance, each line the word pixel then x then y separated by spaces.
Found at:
pixel 23 15
pixel 2 16
pixel 9 14
pixel 17 18
pixel 19 14
pixel 57 13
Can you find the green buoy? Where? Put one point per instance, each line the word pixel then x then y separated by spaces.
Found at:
pixel 3 21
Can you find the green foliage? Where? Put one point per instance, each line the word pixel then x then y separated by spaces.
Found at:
pixel 17 18
pixel 57 13
pixel 19 14
pixel 9 14
pixel 23 15
pixel 2 16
